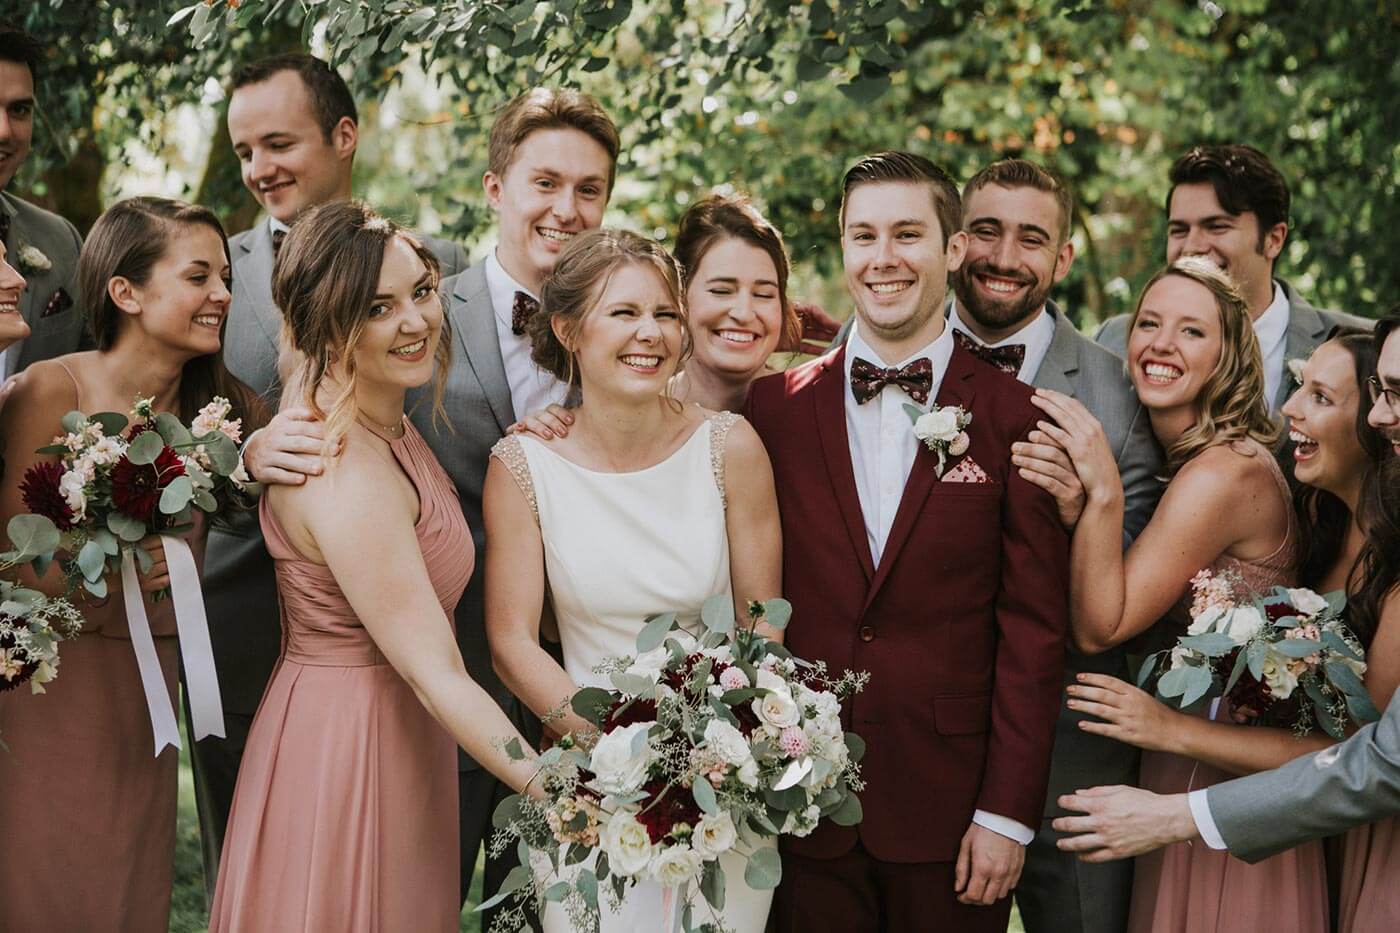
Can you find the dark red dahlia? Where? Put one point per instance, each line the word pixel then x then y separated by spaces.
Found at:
pixel 638 710
pixel 666 806
pixel 41 496
pixel 1276 611
pixel 136 489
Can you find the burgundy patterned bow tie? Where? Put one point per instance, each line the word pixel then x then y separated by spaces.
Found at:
pixel 867 379
pixel 277 237
pixel 521 310
pixel 1007 358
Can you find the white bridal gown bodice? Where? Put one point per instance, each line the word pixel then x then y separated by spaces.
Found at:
pixel 619 547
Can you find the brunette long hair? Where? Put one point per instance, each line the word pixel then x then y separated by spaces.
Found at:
pixel 127 241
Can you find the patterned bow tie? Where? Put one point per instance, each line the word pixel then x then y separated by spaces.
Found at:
pixel 867 379
pixel 521 310
pixel 277 237
pixel 1007 358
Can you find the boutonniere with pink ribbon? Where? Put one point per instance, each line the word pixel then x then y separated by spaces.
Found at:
pixel 941 428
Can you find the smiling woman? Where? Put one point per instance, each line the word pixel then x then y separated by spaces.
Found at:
pixel 12 325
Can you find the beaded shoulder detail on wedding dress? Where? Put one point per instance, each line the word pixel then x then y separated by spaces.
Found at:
pixel 720 423
pixel 512 457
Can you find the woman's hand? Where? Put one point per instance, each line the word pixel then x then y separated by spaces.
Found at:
pixel 1041 461
pixel 1078 433
pixel 552 422
pixel 1129 714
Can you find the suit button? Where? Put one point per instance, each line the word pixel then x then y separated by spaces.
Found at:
pixel 867 633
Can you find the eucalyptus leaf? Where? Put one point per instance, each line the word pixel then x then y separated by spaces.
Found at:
pixel 633 684
pixel 654 633
pixel 849 813
pixel 73 422
pixel 712 884
pixel 1351 686
pixel 1340 645
pixel 1322 710
pixel 92 560
pixel 222 452
pixel 32 535
pixel 1257 652
pixel 855 746
pixel 704 795
pixel 1236 672
pixel 1297 647
pixel 592 704
pixel 518 877
pixel 171 430
pixel 144 562
pixel 96 587
pixel 587 884
pixel 108 541
pixel 764 870
pixel 1174 682
pixel 557 891
pixel 176 495
pixel 717 613
pixel 1198 684
pixel 113 422
pixel 1211 644
pixel 777 613
pixel 204 500
pixel 507 811
pixel 146 448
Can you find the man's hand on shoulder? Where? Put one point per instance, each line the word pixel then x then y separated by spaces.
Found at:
pixel 287 450
pixel 1121 822
pixel 989 865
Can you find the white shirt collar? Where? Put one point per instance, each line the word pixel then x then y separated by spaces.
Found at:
pixel 502 288
pixel 1271 327
pixel 1036 335
pixel 938 352
pixel 274 225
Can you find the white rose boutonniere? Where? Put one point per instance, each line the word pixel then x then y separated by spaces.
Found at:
pixel 1295 369
pixel 32 259
pixel 942 431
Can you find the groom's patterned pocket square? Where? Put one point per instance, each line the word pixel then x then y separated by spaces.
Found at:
pixel 967 471
pixel 59 302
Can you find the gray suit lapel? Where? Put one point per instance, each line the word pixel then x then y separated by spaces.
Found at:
pixel 257 261
pixel 1061 361
pixel 474 321
pixel 1306 330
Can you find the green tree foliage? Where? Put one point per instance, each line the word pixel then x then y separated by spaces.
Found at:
pixel 777 96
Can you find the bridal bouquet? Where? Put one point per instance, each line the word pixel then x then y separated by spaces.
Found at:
pixel 1285 659
pixel 31 624
pixel 119 479
pixel 705 747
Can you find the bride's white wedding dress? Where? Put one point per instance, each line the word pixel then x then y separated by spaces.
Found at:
pixel 619 547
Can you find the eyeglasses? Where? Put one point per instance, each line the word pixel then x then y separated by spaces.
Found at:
pixel 1377 391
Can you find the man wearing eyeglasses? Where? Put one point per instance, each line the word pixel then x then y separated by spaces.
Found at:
pixel 1385 384
pixel 1229 204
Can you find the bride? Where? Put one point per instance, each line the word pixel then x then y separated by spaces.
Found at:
pixel 647 506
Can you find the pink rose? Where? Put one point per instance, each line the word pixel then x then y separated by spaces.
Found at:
pixel 959 444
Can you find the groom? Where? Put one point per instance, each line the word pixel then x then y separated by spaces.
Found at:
pixel 950 590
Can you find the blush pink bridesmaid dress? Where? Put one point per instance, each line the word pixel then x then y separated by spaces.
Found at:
pixel 345 814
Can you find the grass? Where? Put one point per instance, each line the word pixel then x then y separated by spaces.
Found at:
pixel 187 911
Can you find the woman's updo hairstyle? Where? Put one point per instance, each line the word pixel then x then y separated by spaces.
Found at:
pixel 720 217
pixel 324 281
pixel 573 288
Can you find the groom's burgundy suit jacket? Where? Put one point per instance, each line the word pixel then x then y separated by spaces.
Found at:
pixel 962 625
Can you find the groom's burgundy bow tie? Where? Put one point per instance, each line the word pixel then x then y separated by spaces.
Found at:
pixel 521 310
pixel 867 379
pixel 1007 358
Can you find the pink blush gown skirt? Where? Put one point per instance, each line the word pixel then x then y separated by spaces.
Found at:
pixel 345 813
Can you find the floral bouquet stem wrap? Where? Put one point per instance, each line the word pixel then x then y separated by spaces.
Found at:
pixel 706 747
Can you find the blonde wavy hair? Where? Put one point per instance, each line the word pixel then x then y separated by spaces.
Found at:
pixel 1231 405
pixel 324 281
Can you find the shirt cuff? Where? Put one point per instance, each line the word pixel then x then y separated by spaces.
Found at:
pixel 1004 826
pixel 1205 823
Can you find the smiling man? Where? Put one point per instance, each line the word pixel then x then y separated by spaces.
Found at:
pixel 1017 218
pixel 42 246
pixel 965 661
pixel 1384 386
pixel 1230 204
pixel 293 126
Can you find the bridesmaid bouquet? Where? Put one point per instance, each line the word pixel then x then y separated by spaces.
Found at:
pixel 120 479
pixel 31 624
pixel 1285 659
pixel 705 747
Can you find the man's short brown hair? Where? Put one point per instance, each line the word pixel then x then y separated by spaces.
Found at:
pixel 1022 173
pixel 546 108
pixel 331 100
pixel 895 166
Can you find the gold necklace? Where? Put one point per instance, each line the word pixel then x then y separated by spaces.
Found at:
pixel 394 431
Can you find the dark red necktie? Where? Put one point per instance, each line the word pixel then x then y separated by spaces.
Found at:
pixel 277 237
pixel 521 310
pixel 867 379
pixel 1007 358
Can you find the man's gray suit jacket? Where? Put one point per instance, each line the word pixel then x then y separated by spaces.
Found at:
pixel 1317 795
pixel 50 303
pixel 1307 328
pixel 240 585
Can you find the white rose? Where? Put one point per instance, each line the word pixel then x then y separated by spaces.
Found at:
pixel 70 486
pixel 714 835
pixel 1280 680
pixel 776 708
pixel 1307 602
pixel 107 450
pixel 727 742
pixel 676 865
pixel 748 773
pixel 1179 656
pixel 31 257
pixel 650 664
pixel 619 770
pixel 941 424
pixel 801 823
pixel 1244 624
pixel 1202 623
pixel 626 841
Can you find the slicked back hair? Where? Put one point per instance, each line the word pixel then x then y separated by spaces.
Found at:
pixel 330 97
pixel 16 45
pixel 1022 173
pixel 1243 178
pixel 906 167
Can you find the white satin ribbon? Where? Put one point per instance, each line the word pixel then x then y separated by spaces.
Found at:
pixel 201 679
pixel 673 900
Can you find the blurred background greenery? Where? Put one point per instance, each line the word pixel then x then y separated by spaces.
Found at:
pixel 774 97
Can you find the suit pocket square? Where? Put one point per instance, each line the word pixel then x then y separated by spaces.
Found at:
pixel 967 471
pixel 59 302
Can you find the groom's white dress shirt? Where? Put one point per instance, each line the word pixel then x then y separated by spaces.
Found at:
pixel 880 435
pixel 531 388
